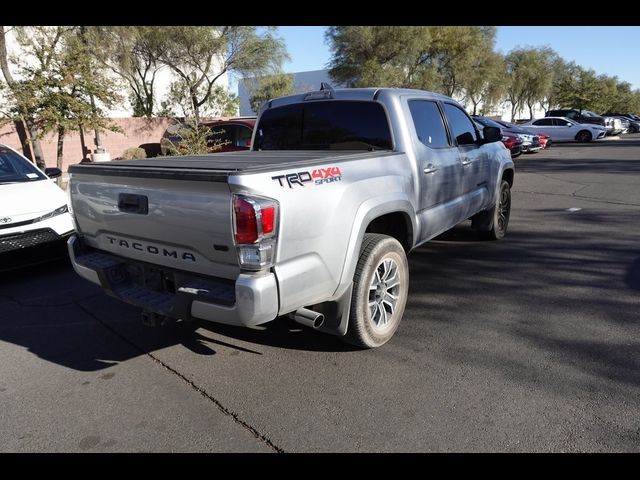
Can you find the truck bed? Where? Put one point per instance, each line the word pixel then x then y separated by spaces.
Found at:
pixel 218 166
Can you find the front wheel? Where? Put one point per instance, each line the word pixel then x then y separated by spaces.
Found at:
pixel 583 136
pixel 380 289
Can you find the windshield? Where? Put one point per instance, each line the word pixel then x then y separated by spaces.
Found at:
pixel 324 125
pixel 14 168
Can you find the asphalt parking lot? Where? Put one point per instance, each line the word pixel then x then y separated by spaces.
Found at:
pixel 529 344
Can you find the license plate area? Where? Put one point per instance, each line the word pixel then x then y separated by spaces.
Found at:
pixel 151 278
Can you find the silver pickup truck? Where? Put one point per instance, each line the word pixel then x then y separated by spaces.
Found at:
pixel 315 222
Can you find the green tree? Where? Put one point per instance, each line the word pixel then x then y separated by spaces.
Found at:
pixel 220 103
pixel 200 55
pixel 454 52
pixel 61 86
pixel 578 88
pixel 391 56
pixel 487 83
pixel 20 112
pixel 131 53
pixel 429 58
pixel 529 76
pixel 269 86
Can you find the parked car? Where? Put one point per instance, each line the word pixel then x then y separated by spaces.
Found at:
pixel 632 126
pixel 530 141
pixel 513 142
pixel 33 209
pixel 298 225
pixel 545 140
pixel 578 116
pixel 226 135
pixel 566 130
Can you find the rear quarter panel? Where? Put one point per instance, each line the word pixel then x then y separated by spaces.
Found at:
pixel 321 223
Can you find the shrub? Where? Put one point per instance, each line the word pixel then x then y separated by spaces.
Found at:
pixel 133 153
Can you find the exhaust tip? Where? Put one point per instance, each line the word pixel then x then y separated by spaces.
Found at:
pixel 317 323
pixel 308 318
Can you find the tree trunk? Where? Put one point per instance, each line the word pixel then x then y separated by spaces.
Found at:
pixel 196 109
pixel 35 143
pixel 23 135
pixel 32 135
pixel 514 108
pixel 59 158
pixel 530 112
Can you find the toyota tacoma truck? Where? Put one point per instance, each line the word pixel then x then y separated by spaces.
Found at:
pixel 314 222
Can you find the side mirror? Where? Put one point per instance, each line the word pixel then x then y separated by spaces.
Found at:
pixel 465 138
pixel 52 172
pixel 491 134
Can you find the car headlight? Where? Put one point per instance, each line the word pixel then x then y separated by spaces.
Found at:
pixel 57 211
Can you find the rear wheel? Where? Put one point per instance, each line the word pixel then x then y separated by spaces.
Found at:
pixel 583 136
pixel 380 288
pixel 492 224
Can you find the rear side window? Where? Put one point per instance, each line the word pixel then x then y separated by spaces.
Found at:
pixel 222 134
pixel 460 124
pixel 428 122
pixel 324 125
pixel 543 122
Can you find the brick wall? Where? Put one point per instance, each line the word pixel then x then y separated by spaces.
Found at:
pixel 137 132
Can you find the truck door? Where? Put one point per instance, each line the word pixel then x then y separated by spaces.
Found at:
pixel 439 169
pixel 476 170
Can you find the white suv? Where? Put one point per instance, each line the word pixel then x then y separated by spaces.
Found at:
pixel 33 209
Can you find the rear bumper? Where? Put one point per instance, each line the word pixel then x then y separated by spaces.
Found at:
pixel 250 300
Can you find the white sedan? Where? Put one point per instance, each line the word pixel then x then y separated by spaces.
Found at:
pixel 33 209
pixel 563 129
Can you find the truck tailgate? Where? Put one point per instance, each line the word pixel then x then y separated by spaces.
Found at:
pixel 182 222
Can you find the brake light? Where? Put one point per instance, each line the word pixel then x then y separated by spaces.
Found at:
pixel 246 227
pixel 255 224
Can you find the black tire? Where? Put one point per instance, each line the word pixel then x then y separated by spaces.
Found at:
pixel 584 136
pixel 633 129
pixel 492 224
pixel 374 316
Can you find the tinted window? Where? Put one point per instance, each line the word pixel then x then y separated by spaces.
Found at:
pixel 544 122
pixel 244 136
pixel 460 124
pixel 428 122
pixel 337 125
pixel 222 134
pixel 561 123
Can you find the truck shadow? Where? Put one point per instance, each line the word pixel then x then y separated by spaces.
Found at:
pixel 556 271
pixel 61 318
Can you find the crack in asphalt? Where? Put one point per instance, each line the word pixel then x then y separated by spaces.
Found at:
pixel 226 411
pixel 582 197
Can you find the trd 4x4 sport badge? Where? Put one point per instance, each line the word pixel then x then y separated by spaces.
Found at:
pixel 317 177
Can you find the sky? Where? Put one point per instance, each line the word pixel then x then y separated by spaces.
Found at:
pixel 608 50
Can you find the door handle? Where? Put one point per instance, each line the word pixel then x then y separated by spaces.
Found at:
pixel 430 169
pixel 466 161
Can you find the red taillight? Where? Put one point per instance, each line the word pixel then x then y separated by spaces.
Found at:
pixel 268 219
pixel 245 217
pixel 255 219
